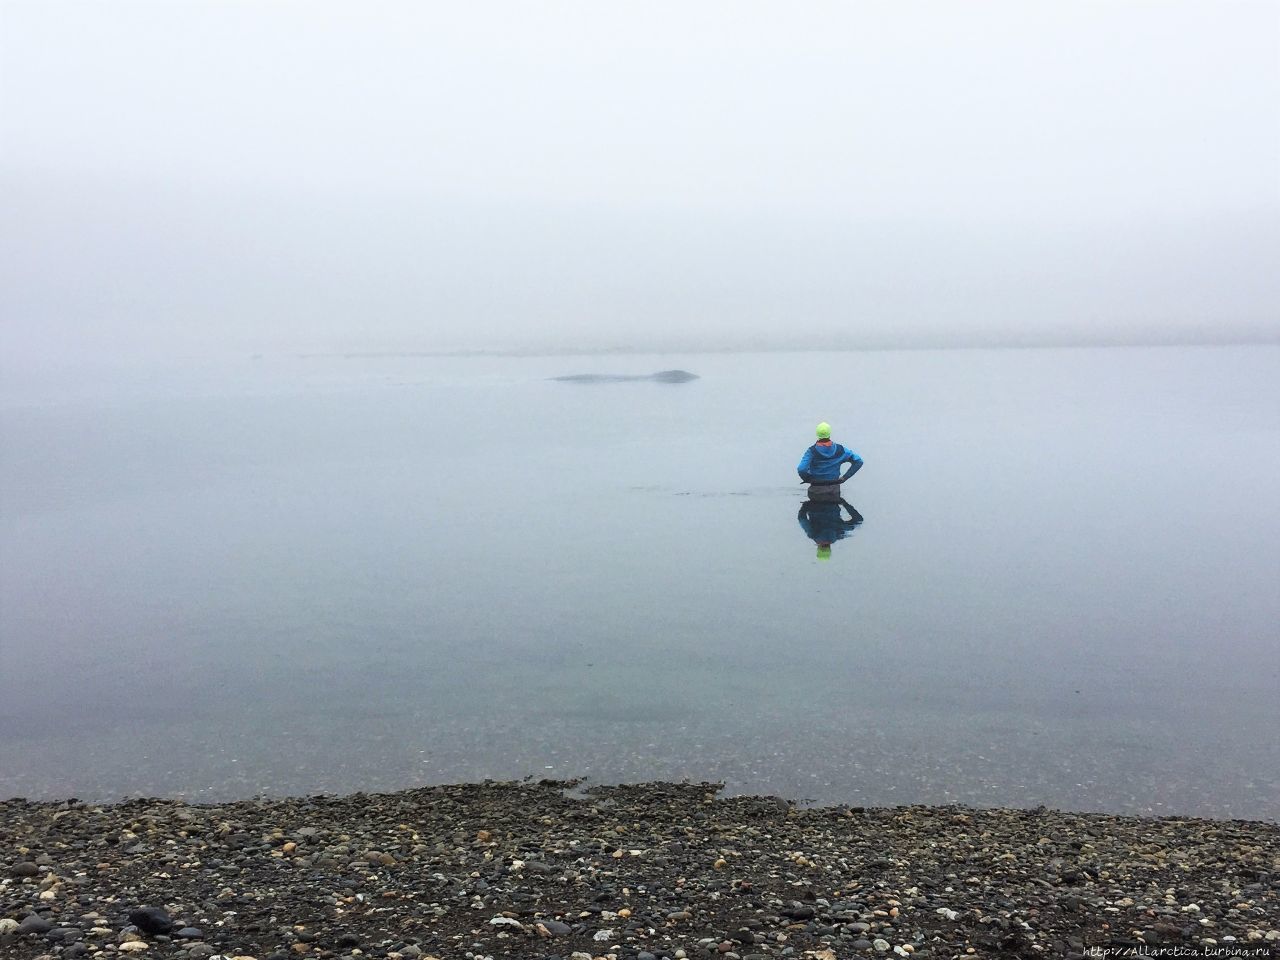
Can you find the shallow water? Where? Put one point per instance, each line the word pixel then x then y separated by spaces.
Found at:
pixel 306 574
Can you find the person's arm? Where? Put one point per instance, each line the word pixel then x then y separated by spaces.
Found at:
pixel 805 461
pixel 854 461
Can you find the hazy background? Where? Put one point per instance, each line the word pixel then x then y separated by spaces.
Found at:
pixel 194 177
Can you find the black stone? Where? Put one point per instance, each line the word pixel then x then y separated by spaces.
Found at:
pixel 34 924
pixel 151 920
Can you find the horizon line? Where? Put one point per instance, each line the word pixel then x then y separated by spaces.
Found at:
pixel 635 350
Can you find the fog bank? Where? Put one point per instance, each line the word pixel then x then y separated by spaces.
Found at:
pixel 221 177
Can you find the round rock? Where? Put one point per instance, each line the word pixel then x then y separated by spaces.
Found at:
pixel 151 920
pixel 34 924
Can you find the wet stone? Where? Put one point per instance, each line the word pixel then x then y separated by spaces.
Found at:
pixel 34 924
pixel 151 920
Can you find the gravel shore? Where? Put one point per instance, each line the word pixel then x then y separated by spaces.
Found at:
pixel 543 870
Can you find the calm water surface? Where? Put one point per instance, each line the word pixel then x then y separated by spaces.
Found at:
pixel 295 575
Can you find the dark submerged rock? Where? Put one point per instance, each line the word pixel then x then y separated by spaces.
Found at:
pixel 662 376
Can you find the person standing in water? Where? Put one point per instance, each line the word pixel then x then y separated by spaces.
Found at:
pixel 820 465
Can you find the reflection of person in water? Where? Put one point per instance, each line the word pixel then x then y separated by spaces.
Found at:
pixel 824 524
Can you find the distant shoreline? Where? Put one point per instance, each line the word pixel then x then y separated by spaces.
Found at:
pixel 727 351
pixel 541 870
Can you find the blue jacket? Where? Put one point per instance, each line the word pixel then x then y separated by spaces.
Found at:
pixel 821 462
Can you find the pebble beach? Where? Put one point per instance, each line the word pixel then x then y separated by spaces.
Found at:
pixel 551 870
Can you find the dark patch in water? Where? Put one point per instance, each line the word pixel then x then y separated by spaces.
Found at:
pixel 662 376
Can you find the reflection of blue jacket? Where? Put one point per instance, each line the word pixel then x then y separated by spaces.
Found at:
pixel 821 462
pixel 823 522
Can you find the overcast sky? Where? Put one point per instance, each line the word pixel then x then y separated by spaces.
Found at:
pixel 311 176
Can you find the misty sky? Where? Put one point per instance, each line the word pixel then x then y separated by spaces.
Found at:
pixel 310 176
